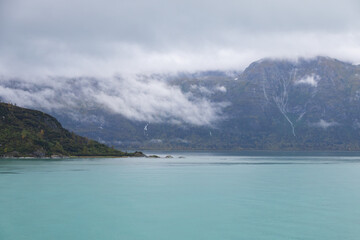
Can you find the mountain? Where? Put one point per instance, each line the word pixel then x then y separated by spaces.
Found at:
pixel 274 104
pixel 303 105
pixel 25 132
pixel 307 104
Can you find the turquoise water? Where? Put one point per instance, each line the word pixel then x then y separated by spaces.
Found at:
pixel 202 196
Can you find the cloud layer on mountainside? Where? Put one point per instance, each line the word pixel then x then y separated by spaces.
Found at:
pixel 136 98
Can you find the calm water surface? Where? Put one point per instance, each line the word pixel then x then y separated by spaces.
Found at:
pixel 202 196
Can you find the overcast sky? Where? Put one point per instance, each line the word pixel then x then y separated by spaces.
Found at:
pixel 42 40
pixel 107 37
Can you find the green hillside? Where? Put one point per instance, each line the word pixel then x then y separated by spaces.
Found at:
pixel 30 133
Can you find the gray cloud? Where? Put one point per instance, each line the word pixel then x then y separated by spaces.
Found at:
pixel 136 98
pixel 81 37
pixel 311 80
pixel 45 43
pixel 324 124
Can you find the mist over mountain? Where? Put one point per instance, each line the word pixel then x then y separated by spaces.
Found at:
pixel 274 104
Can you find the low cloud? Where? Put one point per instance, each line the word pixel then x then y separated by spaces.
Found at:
pixel 136 98
pixel 207 91
pixel 155 140
pixel 311 80
pixel 323 124
pixel 221 89
pixel 40 58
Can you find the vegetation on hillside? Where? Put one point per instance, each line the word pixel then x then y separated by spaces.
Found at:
pixel 25 132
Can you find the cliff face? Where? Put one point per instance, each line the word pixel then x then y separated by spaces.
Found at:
pixel 25 132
